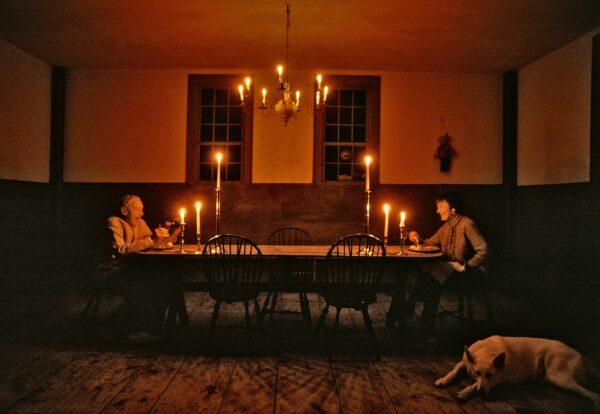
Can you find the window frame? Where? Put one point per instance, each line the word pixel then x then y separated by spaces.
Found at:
pixel 195 83
pixel 372 84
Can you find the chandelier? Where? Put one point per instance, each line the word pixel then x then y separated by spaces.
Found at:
pixel 285 105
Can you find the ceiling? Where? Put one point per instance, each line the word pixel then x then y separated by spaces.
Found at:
pixel 419 35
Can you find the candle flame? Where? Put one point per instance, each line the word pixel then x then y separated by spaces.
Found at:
pixel 219 157
pixel 198 205
pixel 386 208
pixel 319 79
pixel 280 70
pixel 368 160
pixel 247 80
pixel 325 92
pixel 241 90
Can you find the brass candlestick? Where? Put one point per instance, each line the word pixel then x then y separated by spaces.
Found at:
pixel 368 212
pixel 403 236
pixel 182 241
pixel 199 241
pixel 217 210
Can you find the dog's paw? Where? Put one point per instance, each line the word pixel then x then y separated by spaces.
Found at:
pixel 441 382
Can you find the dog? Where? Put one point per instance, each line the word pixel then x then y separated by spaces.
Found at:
pixel 498 360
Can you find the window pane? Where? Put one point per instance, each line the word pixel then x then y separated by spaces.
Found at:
pixel 345 154
pixel 331 153
pixel 359 172
pixel 235 115
pixel 207 115
pixel 234 172
pixel 331 133
pixel 332 97
pixel 345 97
pixel 345 134
pixel 345 172
pixel 206 133
pixel 360 116
pixel 345 115
pixel 331 172
pixel 359 154
pixel 331 115
pixel 235 133
pixel 208 96
pixel 206 172
pixel 220 115
pixel 360 134
pixel 221 96
pixel 205 153
pixel 221 133
pixel 360 97
pixel 235 153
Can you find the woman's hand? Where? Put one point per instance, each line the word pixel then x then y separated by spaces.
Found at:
pixel 414 237
pixel 458 267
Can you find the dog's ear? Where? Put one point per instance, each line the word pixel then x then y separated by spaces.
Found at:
pixel 499 360
pixel 469 355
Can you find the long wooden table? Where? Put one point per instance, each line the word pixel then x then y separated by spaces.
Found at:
pixel 186 269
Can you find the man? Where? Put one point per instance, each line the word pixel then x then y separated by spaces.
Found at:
pixel 145 289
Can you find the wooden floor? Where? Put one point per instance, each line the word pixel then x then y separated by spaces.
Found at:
pixel 51 362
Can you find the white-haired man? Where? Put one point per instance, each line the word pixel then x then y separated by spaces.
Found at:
pixel 145 289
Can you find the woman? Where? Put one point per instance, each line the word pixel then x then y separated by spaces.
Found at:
pixel 463 248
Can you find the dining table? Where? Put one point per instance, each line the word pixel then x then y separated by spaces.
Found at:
pixel 184 264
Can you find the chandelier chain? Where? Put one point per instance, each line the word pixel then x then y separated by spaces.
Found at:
pixel 287 34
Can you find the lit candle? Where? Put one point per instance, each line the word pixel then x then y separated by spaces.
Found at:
pixel 297 99
pixel 247 81
pixel 368 160
pixel 198 208
pixel 280 73
pixel 241 89
pixel 318 97
pixel 264 96
pixel 325 92
pixel 182 216
pixel 402 218
pixel 219 157
pixel 319 79
pixel 386 209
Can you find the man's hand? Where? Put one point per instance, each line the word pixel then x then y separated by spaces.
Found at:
pixel 458 267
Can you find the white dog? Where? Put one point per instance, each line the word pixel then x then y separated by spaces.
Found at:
pixel 497 360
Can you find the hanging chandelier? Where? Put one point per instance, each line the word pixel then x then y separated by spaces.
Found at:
pixel 285 105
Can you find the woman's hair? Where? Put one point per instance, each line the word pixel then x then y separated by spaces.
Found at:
pixel 454 199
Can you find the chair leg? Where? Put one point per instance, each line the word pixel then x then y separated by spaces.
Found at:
pixel 273 303
pixel 306 310
pixel 266 303
pixel 322 318
pixel 213 323
pixel 259 318
pixel 334 332
pixel 182 309
pixel 369 325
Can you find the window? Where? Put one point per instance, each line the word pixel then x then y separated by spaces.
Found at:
pixel 217 123
pixel 346 129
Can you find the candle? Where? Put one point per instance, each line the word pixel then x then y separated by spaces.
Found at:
pixel 402 218
pixel 247 81
pixel 241 90
pixel 297 99
pixel 368 160
pixel 325 92
pixel 182 216
pixel 198 208
pixel 264 96
pixel 219 157
pixel 319 79
pixel 318 97
pixel 280 73
pixel 386 209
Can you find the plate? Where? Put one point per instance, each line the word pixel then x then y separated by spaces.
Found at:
pixel 424 249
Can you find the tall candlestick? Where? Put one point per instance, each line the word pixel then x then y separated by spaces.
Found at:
pixel 198 226
pixel 182 217
pixel 386 209
pixel 402 218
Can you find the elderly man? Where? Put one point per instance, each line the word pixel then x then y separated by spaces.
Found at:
pixel 145 289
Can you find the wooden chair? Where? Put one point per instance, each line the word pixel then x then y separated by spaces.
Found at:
pixel 296 269
pixel 233 265
pixel 466 285
pixel 352 270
